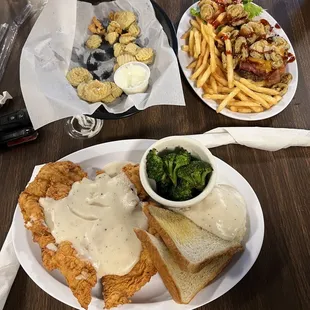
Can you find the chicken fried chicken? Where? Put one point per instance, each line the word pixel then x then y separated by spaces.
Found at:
pixel 55 180
pixel 117 290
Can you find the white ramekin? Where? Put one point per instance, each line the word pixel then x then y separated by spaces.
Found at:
pixel 141 88
pixel 197 150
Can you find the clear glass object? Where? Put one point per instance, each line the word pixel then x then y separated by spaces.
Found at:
pixel 83 127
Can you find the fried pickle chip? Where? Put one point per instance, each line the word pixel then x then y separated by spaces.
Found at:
pixel 114 27
pixel 124 18
pixel 118 49
pixel 115 93
pixel 94 91
pixel 96 27
pixel 144 54
pixel 94 41
pixel 134 30
pixel 112 37
pixel 78 75
pixel 125 58
pixel 116 66
pixel 108 99
pixel 115 90
pixel 148 61
pixel 132 49
pixel 126 38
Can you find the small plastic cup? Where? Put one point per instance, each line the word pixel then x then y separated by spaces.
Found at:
pixel 141 87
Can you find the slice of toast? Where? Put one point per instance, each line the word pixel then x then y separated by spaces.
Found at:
pixel 182 285
pixel 191 246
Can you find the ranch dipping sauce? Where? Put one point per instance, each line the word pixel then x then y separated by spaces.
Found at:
pixel 132 77
pixel 98 218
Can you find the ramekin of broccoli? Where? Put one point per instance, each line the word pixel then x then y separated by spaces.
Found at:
pixel 178 172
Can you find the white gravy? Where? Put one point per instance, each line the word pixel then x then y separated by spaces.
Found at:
pixel 98 218
pixel 222 212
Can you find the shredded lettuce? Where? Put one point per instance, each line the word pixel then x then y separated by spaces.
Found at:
pixel 252 9
pixel 195 11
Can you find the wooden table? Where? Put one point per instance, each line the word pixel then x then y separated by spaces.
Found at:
pixel 280 277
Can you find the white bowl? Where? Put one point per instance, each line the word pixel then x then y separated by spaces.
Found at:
pixel 197 150
pixel 141 88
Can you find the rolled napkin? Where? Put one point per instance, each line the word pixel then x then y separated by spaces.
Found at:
pixel 268 139
pixel 8 268
pixel 263 138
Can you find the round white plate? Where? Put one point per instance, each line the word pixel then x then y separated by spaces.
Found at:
pixel 153 295
pixel 292 68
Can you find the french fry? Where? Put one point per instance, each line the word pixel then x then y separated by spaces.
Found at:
pixel 278 98
pixel 203 66
pixel 257 109
pixel 243 97
pixel 185 35
pixel 213 84
pixel 207 89
pixel 204 78
pixel 217 52
pixel 219 63
pixel 214 96
pixel 233 109
pixel 258 83
pixel 220 72
pixel 197 44
pixel 258 89
pixel 244 110
pixel 227 100
pixel 199 62
pixel 185 48
pixel 203 46
pixel 195 24
pixel 192 65
pixel 191 43
pixel 220 79
pixel 212 54
pixel 230 66
pixel 271 100
pixel 244 104
pixel 252 94
pixel 225 90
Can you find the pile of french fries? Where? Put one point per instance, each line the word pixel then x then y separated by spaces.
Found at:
pixel 220 84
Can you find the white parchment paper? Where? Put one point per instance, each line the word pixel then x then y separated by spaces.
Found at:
pixel 56 44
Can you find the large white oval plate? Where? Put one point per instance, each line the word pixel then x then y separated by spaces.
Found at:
pixel 292 68
pixel 153 295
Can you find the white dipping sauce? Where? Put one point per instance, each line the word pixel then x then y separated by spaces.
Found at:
pixel 98 218
pixel 132 78
pixel 222 212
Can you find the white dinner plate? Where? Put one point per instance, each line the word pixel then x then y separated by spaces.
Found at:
pixel 292 68
pixel 153 295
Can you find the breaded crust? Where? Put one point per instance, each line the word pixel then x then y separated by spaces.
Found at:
pixel 117 290
pixel 55 180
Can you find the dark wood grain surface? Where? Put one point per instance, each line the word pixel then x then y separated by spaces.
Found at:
pixel 280 279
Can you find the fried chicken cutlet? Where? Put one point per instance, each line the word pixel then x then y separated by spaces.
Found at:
pixel 55 181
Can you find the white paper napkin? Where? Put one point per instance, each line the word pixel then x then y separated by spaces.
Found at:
pixel 263 138
pixel 8 268
pixel 269 139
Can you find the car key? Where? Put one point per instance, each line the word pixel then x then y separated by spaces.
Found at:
pixel 17 119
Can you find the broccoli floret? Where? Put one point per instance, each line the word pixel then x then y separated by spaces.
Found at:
pixel 181 192
pixel 195 174
pixel 173 161
pixel 155 166
pixel 163 187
